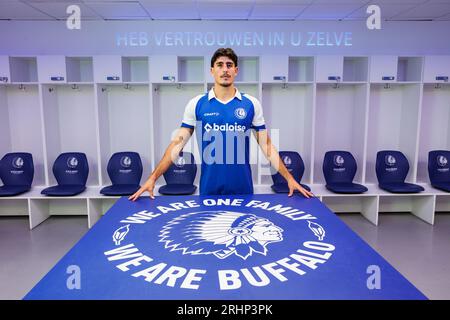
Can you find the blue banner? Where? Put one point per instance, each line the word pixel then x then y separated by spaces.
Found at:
pixel 222 247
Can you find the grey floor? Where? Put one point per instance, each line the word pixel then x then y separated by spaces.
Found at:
pixel 421 252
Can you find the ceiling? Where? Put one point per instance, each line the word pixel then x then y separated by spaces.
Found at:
pixel 391 10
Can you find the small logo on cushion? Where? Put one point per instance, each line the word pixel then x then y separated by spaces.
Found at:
pixel 125 161
pixel 72 162
pixel 338 160
pixel 390 160
pixel 17 162
pixel 442 161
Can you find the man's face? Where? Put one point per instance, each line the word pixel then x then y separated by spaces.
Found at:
pixel 224 71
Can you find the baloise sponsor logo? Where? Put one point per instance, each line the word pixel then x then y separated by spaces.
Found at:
pixel 225 127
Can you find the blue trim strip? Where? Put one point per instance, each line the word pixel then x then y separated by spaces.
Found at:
pixel 184 125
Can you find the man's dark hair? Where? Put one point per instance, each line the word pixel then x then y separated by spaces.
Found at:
pixel 224 52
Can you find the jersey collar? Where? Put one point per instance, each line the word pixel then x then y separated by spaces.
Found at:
pixel 211 94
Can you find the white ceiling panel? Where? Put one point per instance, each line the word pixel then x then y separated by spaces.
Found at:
pixel 58 9
pixel 224 11
pixel 171 10
pixel 328 11
pixel 118 9
pixel 276 11
pixel 387 11
pixel 19 10
pixel 426 11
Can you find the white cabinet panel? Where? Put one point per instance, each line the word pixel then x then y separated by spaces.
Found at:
pixel 383 68
pixel 163 69
pixel 329 68
pixel 51 69
pixel 5 74
pixel 274 68
pixel 436 69
pixel 107 69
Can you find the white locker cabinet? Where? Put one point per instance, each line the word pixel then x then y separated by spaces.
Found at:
pixel 163 69
pixel 190 69
pixel 436 69
pixel 409 69
pixel 348 104
pixel 107 69
pixel 135 69
pixel 248 69
pixel 383 69
pixel 5 74
pixel 52 69
pixel 70 125
pixel 79 69
pixel 434 127
pixel 393 124
pixel 329 68
pixel 21 126
pixel 274 68
pixel 23 69
pixel 124 128
pixel 301 69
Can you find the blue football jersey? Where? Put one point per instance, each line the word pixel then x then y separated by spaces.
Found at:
pixel 223 131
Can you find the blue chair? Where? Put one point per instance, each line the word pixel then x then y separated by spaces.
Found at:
pixel 339 169
pixel 392 168
pixel 71 171
pixel 16 173
pixel 180 176
pixel 439 169
pixel 125 171
pixel 295 165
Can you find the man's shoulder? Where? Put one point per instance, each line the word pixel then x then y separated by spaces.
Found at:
pixel 195 100
pixel 250 99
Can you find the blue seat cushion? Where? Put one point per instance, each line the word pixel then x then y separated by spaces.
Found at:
pixel 177 189
pixel 444 186
pixel 64 190
pixel 346 187
pixel 120 189
pixel 8 191
pixel 284 188
pixel 401 187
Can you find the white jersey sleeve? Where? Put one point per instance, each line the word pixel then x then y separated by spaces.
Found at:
pixel 258 118
pixel 189 117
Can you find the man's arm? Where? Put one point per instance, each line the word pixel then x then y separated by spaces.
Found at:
pixel 171 152
pixel 273 156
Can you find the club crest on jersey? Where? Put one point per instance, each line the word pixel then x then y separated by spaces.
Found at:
pixel 220 233
pixel 240 113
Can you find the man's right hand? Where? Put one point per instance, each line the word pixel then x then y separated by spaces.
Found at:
pixel 148 186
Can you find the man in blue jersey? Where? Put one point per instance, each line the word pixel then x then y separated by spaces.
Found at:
pixel 223 119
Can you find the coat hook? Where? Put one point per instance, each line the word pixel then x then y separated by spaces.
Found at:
pixel 51 89
pixel 104 89
pixel 75 87
pixel 387 85
pixel 22 87
pixel 127 86
pixel 179 86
